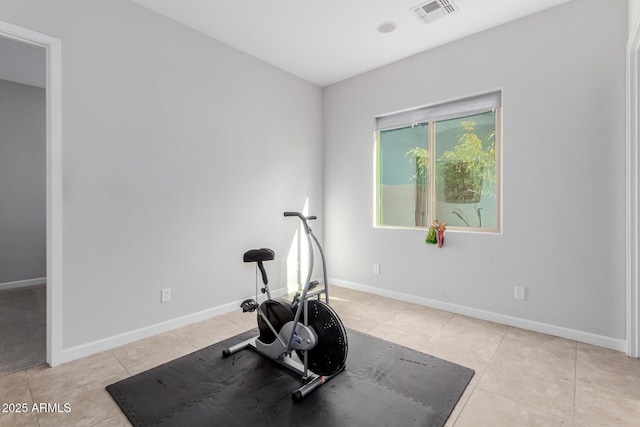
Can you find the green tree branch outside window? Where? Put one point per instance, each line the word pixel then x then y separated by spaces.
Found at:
pixel 468 171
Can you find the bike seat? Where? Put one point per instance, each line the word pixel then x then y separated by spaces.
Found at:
pixel 256 255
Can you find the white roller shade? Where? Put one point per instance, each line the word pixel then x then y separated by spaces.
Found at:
pixel 448 110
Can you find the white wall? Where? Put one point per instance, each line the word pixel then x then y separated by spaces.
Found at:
pixel 563 238
pixel 179 153
pixel 22 183
pixel 634 13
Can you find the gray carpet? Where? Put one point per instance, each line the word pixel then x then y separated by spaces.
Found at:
pixel 22 328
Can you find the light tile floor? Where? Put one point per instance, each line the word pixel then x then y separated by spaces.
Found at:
pixel 522 378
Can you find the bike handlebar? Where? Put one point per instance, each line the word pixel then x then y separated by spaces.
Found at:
pixel 299 215
pixel 303 218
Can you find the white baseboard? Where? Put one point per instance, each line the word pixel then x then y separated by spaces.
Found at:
pixel 531 325
pixel 77 352
pixel 23 283
pixel 83 350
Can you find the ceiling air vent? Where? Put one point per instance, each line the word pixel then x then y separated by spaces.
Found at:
pixel 434 9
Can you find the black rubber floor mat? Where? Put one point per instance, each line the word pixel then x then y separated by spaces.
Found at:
pixel 384 384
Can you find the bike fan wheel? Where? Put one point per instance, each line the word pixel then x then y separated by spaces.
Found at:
pixel 329 355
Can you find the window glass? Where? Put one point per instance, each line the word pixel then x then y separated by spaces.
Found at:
pixel 403 169
pixel 465 193
pixel 458 184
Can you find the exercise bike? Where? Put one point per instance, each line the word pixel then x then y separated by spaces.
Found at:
pixel 306 326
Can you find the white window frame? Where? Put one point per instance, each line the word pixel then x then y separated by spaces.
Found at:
pixel 431 114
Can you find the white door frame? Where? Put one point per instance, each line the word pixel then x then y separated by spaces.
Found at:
pixel 633 98
pixel 54 180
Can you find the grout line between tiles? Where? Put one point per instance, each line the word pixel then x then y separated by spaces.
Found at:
pixel 494 353
pixel 477 384
pixel 119 361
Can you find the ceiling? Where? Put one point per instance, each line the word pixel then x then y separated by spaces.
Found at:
pixel 331 40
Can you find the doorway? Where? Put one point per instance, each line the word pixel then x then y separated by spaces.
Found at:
pixel 22 206
pixel 53 176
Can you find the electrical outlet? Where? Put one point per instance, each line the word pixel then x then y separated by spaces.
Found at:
pixel 376 268
pixel 519 292
pixel 165 295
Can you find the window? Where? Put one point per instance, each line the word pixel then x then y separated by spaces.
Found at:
pixel 441 163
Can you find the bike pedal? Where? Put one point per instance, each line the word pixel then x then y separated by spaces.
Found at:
pixel 248 305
